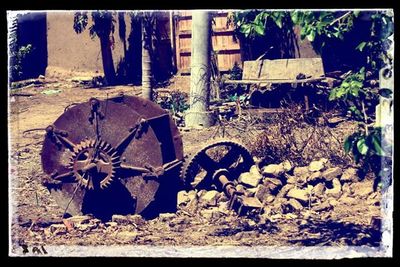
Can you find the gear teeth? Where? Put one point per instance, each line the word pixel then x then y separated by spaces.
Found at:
pixel 187 174
pixel 106 148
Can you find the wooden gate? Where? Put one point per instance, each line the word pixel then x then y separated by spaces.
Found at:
pixel 226 47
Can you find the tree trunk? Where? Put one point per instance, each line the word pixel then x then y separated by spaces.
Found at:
pixel 147 92
pixel 108 63
pixel 198 114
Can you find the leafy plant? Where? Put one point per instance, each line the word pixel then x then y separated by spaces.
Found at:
pixel 375 47
pixel 102 27
pixel 176 102
pixel 323 23
pixel 254 23
pixel 369 150
pixel 19 60
pixel 236 72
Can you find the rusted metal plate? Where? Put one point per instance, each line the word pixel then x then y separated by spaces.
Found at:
pixel 108 156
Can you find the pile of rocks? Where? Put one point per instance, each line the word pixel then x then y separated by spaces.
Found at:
pixel 283 189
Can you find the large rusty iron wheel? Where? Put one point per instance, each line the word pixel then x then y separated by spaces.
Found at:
pixel 111 156
pixel 201 170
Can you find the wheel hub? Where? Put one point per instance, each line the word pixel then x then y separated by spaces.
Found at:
pixel 94 164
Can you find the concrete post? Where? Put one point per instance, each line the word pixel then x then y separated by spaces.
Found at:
pixel 199 114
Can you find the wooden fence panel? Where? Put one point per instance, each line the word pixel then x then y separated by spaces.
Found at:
pixel 224 44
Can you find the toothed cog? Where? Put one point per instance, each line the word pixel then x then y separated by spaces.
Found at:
pixel 94 163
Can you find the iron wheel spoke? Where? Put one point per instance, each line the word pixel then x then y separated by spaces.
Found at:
pixel 206 162
pixel 67 177
pixel 230 157
pixel 129 170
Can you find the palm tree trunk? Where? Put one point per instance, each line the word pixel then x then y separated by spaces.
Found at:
pixel 108 63
pixel 147 92
pixel 199 114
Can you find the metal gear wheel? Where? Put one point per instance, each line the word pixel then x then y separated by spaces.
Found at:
pixel 94 163
pixel 199 171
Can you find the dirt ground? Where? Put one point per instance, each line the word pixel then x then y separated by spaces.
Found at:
pixel 34 211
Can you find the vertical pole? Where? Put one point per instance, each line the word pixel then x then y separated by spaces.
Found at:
pixel 172 37
pixel 199 114
pixel 146 59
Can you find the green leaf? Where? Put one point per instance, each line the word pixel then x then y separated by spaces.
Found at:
pixel 341 92
pixel 356 13
pixel 332 94
pixel 245 29
pixel 347 144
pixel 361 46
pixel 377 146
pixel 311 35
pixel 278 22
pixel 337 34
pixel 295 17
pixel 362 147
pixel 259 29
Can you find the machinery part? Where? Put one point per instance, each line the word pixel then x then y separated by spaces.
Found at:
pixel 104 154
pixel 219 164
pixel 200 170
pixel 88 164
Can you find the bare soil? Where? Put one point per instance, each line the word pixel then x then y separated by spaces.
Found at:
pixel 34 211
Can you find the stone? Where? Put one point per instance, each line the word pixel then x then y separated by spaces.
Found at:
pixel 222 197
pixel 299 194
pixel 223 207
pixel 79 219
pixel 275 170
pixel 303 222
pixel 325 206
pixel 120 219
pixel 278 205
pixel 349 175
pixel 272 184
pixel 58 229
pixel 362 189
pixel 275 217
pixel 269 199
pixel 250 192
pixel 193 205
pixel 318 190
pixel 346 189
pixel 291 216
pixel 249 179
pixel 300 171
pixel 200 193
pixel 126 236
pixel 182 198
pixel 240 188
pixel 316 166
pixel 291 180
pixel 164 217
pixel 284 190
pixel 210 198
pixel 287 165
pixel 314 177
pixel 296 205
pixel 255 171
pixel 211 214
pixel 111 224
pixel 336 191
pixel 347 200
pixel 262 192
pixel 332 173
pixel 136 219
pixel 333 202
pixel 85 227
